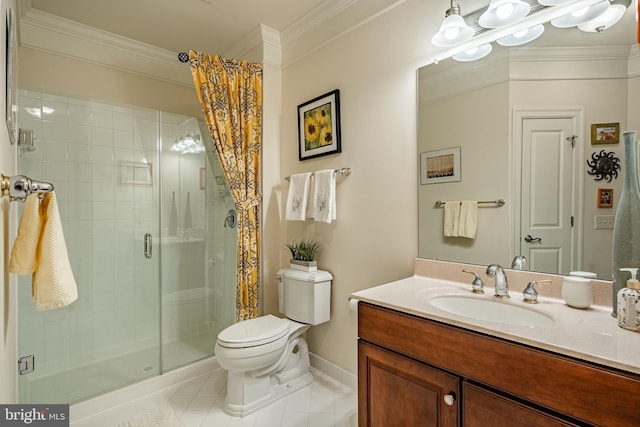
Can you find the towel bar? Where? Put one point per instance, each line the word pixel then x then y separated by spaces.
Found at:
pixel 18 187
pixel 499 202
pixel 343 171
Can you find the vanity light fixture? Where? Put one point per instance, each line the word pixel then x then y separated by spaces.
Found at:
pixel 503 12
pixel 608 19
pixel 561 13
pixel 188 143
pixel 453 30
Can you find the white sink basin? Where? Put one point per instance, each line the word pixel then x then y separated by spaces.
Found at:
pixel 491 311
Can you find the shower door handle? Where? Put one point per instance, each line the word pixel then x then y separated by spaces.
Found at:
pixel 148 246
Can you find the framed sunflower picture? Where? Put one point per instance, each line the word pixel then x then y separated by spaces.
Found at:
pixel 319 126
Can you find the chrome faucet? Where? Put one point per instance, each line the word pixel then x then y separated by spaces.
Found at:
pixel 502 285
pixel 518 262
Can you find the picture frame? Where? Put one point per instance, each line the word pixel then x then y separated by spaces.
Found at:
pixel 440 166
pixel 11 76
pixel 137 173
pixel 202 178
pixel 319 126
pixel 605 197
pixel 605 133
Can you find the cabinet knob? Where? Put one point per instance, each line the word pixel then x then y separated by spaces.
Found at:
pixel 450 399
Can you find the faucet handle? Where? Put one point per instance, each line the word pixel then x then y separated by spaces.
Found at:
pixel 518 262
pixel 477 286
pixel 530 295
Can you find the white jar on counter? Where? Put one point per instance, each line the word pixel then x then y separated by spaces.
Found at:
pixel 577 291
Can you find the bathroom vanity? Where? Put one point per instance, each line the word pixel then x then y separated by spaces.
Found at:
pixel 421 366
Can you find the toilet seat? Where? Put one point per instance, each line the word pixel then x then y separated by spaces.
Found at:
pixel 254 332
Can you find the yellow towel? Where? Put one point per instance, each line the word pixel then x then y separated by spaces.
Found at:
pixel 23 254
pixel 451 218
pixel 40 250
pixel 468 222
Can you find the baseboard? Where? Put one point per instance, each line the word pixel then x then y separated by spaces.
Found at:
pixel 118 397
pixel 334 371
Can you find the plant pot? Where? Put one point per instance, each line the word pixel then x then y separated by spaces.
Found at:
pixel 308 266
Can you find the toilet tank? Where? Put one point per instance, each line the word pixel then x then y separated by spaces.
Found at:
pixel 305 296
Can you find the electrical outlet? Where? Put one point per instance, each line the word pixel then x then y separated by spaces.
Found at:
pixel 603 222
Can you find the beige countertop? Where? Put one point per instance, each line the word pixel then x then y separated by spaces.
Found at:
pixel 589 334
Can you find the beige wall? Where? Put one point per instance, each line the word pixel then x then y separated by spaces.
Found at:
pixel 374 239
pixel 86 80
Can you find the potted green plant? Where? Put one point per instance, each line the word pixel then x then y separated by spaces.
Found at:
pixel 303 255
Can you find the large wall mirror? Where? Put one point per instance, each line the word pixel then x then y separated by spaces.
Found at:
pixel 522 118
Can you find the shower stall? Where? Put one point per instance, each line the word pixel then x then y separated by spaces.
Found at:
pixel 148 223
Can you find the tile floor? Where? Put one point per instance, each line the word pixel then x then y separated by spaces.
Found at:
pixel 324 403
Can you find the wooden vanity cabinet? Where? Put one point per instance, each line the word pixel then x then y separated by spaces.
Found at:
pixel 408 365
pixel 399 391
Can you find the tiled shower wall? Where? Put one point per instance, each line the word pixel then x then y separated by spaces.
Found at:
pixel 84 148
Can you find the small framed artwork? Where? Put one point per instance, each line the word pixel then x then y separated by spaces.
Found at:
pixel 11 76
pixel 319 126
pixel 605 133
pixel 137 173
pixel 440 166
pixel 203 181
pixel 605 197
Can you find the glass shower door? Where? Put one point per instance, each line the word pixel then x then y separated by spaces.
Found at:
pixel 103 160
pixel 198 245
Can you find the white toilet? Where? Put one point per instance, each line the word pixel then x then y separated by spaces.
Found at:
pixel 267 357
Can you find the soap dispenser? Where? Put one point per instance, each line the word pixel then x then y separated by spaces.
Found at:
pixel 629 302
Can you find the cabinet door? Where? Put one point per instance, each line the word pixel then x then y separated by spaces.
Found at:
pixel 394 390
pixel 482 408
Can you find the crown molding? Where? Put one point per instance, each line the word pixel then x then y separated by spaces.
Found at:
pixel 531 64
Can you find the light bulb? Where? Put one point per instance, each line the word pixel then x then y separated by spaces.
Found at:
pixel 451 33
pixel 504 11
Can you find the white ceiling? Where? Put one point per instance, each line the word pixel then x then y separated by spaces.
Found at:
pixel 214 26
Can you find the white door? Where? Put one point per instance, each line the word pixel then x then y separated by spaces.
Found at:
pixel 547 166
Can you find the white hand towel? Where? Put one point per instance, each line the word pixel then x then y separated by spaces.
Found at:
pixel 298 197
pixel 451 218
pixel 468 223
pixel 324 196
pixel 53 284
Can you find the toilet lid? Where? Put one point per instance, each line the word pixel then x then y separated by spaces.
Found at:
pixel 254 332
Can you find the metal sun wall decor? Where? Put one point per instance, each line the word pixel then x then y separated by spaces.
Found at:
pixel 604 165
